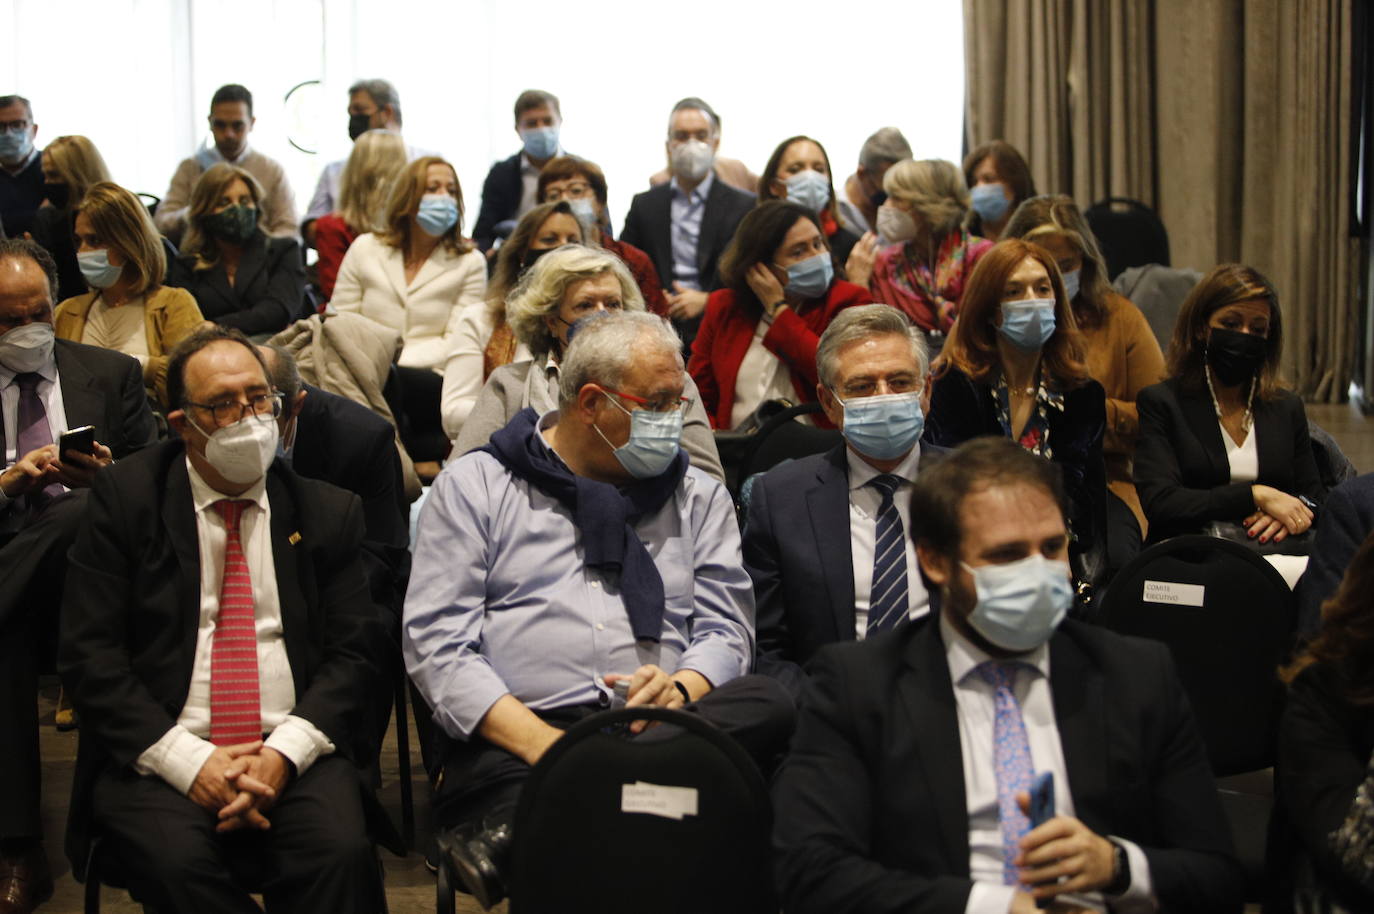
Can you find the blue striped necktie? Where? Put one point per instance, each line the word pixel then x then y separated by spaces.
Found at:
pixel 887 604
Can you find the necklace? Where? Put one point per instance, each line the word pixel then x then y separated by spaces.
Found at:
pixel 1247 417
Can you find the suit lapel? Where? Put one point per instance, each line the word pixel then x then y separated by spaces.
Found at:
pixel 393 264
pixel 253 262
pixel 179 519
pixel 433 268
pixel 828 505
pixel 83 400
pixel 287 554
pixel 1080 714
pixel 1201 417
pixel 924 692
pixel 662 238
pixel 710 228
pixel 1269 447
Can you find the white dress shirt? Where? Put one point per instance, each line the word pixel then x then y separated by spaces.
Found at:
pixel 178 756
pixel 864 501
pixel 974 699
pixel 49 391
pixel 686 212
pixel 529 183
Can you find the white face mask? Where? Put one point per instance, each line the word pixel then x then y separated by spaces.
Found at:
pixel 27 348
pixel 692 160
pixel 241 452
pixel 895 226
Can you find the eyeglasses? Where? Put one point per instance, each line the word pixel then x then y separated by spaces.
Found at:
pixel 263 407
pixel 571 192
pixel 664 405
pixel 867 388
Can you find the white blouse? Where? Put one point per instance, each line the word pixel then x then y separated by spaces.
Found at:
pixel 1243 457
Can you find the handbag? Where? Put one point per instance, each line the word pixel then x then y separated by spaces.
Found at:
pixel 1293 544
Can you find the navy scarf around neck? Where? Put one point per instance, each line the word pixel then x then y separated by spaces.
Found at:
pixel 603 513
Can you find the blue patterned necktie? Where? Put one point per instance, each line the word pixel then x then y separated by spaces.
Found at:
pixel 887 604
pixel 1011 759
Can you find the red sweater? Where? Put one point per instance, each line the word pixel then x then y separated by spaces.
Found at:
pixel 727 330
pixel 332 238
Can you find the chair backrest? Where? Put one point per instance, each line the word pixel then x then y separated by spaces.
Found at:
pixel 1332 464
pixel 783 438
pixel 1228 619
pixel 1129 233
pixel 1159 292
pixel 677 819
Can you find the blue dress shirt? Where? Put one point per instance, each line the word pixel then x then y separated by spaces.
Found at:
pixel 687 211
pixel 501 602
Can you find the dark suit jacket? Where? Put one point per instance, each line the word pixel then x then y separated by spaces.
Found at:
pixel 648 226
pixel 870 808
pixel 961 408
pixel 501 194
pixel 132 607
pixel 1325 743
pixel 268 291
pixel 103 388
pixel 1181 470
pixel 1346 518
pixel 52 228
pixel 799 554
pixel 348 445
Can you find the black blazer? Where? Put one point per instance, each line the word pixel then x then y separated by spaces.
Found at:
pixel 1181 470
pixel 961 408
pixel 501 193
pixel 268 291
pixel 52 228
pixel 131 609
pixel 103 388
pixel 798 551
pixel 1325 744
pixel 870 810
pixel 648 226
pixel 348 445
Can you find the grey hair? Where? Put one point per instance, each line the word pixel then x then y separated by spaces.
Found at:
pixel 540 291
pixel 283 372
pixel 935 188
pixel 859 323
pixel 885 147
pixel 607 345
pixel 381 92
pixel 692 103
pixel 7 100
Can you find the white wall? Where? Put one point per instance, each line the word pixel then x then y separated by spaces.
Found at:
pixel 136 76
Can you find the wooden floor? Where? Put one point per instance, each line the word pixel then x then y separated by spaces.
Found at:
pixel 410 887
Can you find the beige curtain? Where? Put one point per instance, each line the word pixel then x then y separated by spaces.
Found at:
pixel 1230 117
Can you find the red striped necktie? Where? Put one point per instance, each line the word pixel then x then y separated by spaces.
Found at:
pixel 235 706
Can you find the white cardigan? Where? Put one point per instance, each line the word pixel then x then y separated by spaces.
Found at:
pixel 463 373
pixel 372 283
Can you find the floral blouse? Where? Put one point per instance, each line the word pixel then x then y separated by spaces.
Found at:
pixel 1035 437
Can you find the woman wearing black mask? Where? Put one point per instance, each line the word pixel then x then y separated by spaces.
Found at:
pixel 240 277
pixel 483 341
pixel 1223 446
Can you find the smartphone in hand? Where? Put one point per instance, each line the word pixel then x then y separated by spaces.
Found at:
pixel 80 439
pixel 1041 811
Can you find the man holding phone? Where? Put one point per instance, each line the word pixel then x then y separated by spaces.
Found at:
pixel 910 779
pixel 46 387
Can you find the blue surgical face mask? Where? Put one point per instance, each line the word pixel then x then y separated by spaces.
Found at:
pixel 989 202
pixel 15 145
pixel 1029 323
pixel 884 427
pixel 583 210
pixel 540 142
pixel 810 189
pixel 97 269
pixel 654 441
pixel 437 214
pixel 810 278
pixel 1020 604
pixel 1071 283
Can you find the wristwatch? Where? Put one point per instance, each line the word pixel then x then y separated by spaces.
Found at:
pixel 686 696
pixel 1309 503
pixel 1121 871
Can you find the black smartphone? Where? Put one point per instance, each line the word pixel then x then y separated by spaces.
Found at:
pixel 1041 811
pixel 77 439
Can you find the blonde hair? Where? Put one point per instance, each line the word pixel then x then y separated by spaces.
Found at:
pixel 403 202
pixel 540 291
pixel 377 157
pixel 78 164
pixel 934 188
pixel 209 187
pixel 120 220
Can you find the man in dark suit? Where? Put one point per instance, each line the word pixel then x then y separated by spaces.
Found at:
pixel 220 644
pixel 512 185
pixel 907 784
pixel 1345 519
pixel 46 387
pixel 685 225
pixel 814 524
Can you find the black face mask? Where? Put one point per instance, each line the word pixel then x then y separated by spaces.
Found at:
pixel 358 124
pixel 531 256
pixel 1235 357
pixel 878 199
pixel 57 194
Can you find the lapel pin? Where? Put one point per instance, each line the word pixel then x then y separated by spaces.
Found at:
pixel 294 538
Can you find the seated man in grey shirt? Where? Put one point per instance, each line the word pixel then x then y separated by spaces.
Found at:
pixel 578 550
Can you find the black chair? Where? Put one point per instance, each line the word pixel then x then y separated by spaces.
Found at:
pixel 578 848
pixel 1129 233
pixel 1228 619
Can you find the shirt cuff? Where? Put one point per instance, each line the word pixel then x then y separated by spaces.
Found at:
pixel 986 898
pixel 1139 897
pixel 300 741
pixel 718 664
pixel 176 758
